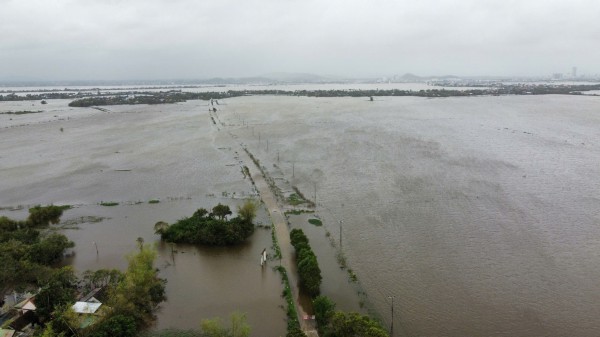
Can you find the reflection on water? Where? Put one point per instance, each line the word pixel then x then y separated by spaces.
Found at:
pixel 480 215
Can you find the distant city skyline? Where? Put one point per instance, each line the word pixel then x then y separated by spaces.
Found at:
pixel 185 39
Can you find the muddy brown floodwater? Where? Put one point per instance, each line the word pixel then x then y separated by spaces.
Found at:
pixel 479 214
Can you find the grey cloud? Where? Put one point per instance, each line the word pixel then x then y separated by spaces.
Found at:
pixel 193 39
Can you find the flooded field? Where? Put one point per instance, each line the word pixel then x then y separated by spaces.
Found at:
pixel 480 215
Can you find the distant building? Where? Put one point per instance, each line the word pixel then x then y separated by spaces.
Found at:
pixel 574 72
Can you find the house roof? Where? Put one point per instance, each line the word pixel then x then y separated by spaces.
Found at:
pixel 86 307
pixel 27 304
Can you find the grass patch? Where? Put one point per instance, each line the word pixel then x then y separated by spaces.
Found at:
pixel 297 211
pixel 276 248
pixel 154 201
pixel 315 222
pixel 352 276
pixel 82 219
pixel 292 315
pixel 109 203
pixel 21 112
pixel 294 199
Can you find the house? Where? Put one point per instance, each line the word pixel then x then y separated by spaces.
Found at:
pixel 86 308
pixel 28 305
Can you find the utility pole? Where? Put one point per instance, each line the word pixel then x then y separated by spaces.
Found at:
pixel 392 325
pixel 341 222
pixel 95 245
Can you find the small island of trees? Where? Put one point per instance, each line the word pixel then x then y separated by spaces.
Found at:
pixel 211 228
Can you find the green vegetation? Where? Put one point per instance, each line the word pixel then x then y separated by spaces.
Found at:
pixel 215 328
pixel 353 324
pixel 301 196
pixel 275 247
pixel 333 323
pixel 24 112
pixel 109 203
pixel 58 289
pixel 132 298
pixel 213 228
pixel 298 211
pixel 26 252
pixel 308 267
pixel 154 201
pixel 324 308
pixel 315 222
pixel 294 199
pixel 293 325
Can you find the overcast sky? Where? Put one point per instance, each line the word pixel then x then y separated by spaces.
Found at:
pixel 167 39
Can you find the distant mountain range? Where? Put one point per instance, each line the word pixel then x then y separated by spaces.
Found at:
pixel 266 79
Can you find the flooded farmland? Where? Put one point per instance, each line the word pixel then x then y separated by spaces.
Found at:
pixel 480 215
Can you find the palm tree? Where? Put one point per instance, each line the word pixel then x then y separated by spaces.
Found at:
pixel 140 242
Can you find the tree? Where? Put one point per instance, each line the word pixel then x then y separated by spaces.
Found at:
pixel 354 325
pixel 214 327
pixel 200 213
pixel 101 278
pixel 324 309
pixel 247 211
pixel 160 227
pixel 308 267
pixel 140 291
pixel 213 229
pixel 140 242
pixel 59 289
pixel 117 325
pixel 42 216
pixel 50 249
pixel 221 211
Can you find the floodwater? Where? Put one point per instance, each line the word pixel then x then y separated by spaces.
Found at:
pixel 480 215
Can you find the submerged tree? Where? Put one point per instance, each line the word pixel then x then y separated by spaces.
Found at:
pixel 141 290
pixel 212 228
pixel 215 328
pixel 160 227
pixel 247 211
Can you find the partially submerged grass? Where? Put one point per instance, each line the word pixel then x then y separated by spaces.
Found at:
pixel 109 203
pixel 153 201
pixel 24 112
pixel 294 199
pixel 298 211
pixel 315 222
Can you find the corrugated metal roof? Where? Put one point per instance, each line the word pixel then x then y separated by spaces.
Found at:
pixel 86 307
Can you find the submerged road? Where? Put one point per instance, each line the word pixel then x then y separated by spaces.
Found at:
pixel 283 238
pixel 281 231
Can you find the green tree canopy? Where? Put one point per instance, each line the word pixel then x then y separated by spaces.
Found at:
pixel 221 211
pixel 247 211
pixel 353 324
pixel 140 291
